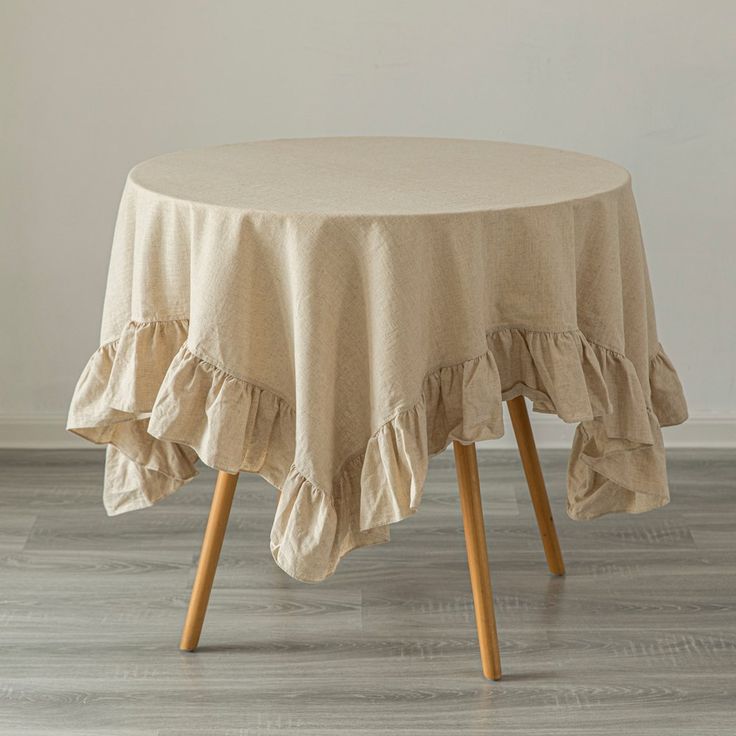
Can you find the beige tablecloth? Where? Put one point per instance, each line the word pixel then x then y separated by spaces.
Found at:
pixel 331 312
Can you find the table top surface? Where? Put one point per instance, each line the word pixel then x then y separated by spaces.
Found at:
pixel 377 176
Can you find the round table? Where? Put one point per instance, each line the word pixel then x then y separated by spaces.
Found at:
pixel 331 312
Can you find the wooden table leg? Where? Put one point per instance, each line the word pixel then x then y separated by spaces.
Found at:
pixel 214 534
pixel 466 466
pixel 535 481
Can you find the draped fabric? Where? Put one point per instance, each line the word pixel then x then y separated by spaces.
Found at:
pixel 329 313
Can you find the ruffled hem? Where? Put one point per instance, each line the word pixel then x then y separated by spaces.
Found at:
pixel 159 406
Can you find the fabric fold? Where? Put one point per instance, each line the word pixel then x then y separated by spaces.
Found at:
pixel 460 402
pixel 560 372
pixel 617 462
pixel 668 398
pixel 112 404
pixel 160 405
pixel 232 424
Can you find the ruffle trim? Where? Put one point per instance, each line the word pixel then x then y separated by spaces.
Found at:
pixel 158 406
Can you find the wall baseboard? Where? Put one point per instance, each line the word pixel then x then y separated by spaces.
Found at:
pixel 47 431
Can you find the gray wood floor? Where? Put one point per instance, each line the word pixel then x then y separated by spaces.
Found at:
pixel 639 638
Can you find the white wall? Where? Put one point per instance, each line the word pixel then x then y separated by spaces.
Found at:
pixel 89 88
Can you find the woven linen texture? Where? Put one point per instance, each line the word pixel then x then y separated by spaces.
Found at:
pixel 330 313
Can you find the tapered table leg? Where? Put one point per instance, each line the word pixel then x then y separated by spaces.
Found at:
pixel 214 534
pixel 535 481
pixel 466 466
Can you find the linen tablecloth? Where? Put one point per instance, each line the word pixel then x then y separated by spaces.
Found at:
pixel 329 313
